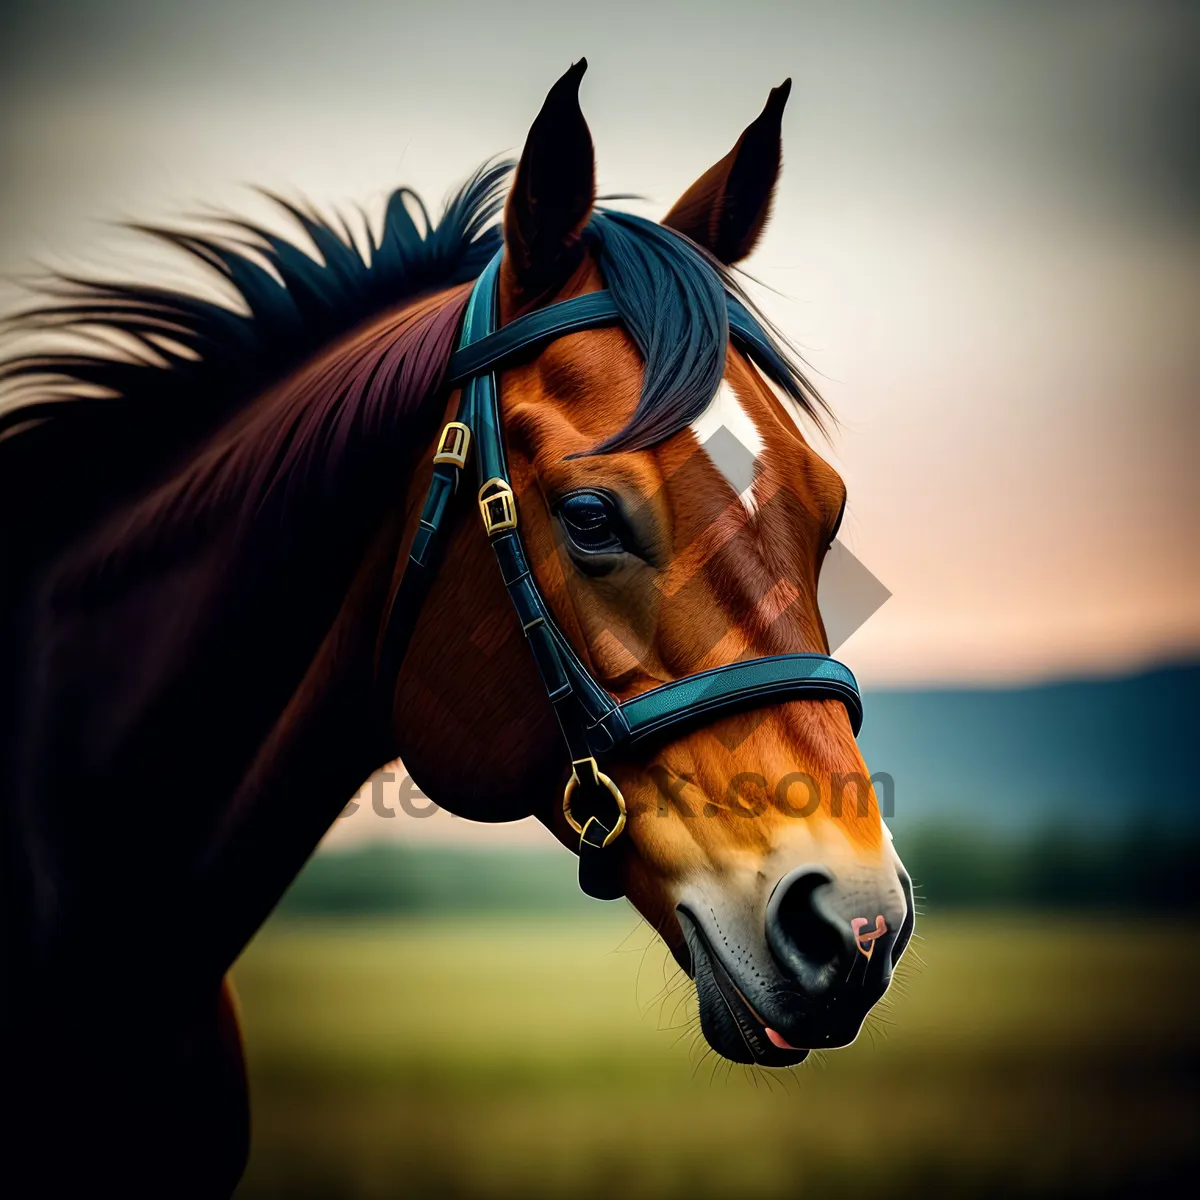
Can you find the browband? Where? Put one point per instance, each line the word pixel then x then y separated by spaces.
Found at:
pixel 590 311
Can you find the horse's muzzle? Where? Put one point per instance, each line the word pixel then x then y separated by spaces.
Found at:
pixel 824 957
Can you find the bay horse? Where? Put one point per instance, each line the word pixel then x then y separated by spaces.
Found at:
pixel 211 523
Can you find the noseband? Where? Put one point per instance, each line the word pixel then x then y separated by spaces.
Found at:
pixel 594 724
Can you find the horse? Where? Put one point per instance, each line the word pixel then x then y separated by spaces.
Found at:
pixel 210 633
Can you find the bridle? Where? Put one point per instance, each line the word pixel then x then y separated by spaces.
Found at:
pixel 593 723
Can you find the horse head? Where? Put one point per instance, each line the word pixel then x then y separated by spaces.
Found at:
pixel 674 518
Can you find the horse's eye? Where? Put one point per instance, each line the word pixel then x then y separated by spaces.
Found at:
pixel 591 521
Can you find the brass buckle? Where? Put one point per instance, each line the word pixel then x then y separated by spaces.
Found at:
pixel 498 506
pixel 454 445
pixel 599 779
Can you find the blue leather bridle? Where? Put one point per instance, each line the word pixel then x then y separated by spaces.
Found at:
pixel 594 724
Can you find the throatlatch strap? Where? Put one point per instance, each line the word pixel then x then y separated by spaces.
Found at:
pixel 419 573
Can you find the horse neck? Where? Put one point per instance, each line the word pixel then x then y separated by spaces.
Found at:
pixel 467 713
pixel 194 723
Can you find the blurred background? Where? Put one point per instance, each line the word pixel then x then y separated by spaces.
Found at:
pixel 986 242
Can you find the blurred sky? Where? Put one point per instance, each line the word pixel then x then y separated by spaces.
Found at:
pixel 986 242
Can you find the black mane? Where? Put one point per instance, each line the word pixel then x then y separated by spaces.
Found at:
pixel 80 429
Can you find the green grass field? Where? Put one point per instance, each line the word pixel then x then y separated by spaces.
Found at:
pixel 472 1057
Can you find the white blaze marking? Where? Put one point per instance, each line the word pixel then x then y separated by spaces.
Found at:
pixel 727 412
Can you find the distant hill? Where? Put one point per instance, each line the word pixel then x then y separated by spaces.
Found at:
pixel 1069 795
pixel 952 866
pixel 1101 754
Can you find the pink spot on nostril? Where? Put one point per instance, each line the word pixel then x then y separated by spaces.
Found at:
pixel 865 940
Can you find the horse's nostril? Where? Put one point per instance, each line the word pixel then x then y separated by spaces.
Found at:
pixel 809 940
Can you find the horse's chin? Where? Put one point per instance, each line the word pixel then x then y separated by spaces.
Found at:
pixel 730 1025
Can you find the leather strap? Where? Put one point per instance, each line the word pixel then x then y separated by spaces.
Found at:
pixel 419 573
pixel 590 311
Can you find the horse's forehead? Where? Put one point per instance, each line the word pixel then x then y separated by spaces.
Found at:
pixel 602 368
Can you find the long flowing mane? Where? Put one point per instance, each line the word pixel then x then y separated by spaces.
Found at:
pixel 82 428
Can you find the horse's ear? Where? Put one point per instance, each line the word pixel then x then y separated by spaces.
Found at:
pixel 552 194
pixel 726 208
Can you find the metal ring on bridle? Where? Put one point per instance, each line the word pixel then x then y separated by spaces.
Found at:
pixel 599 779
